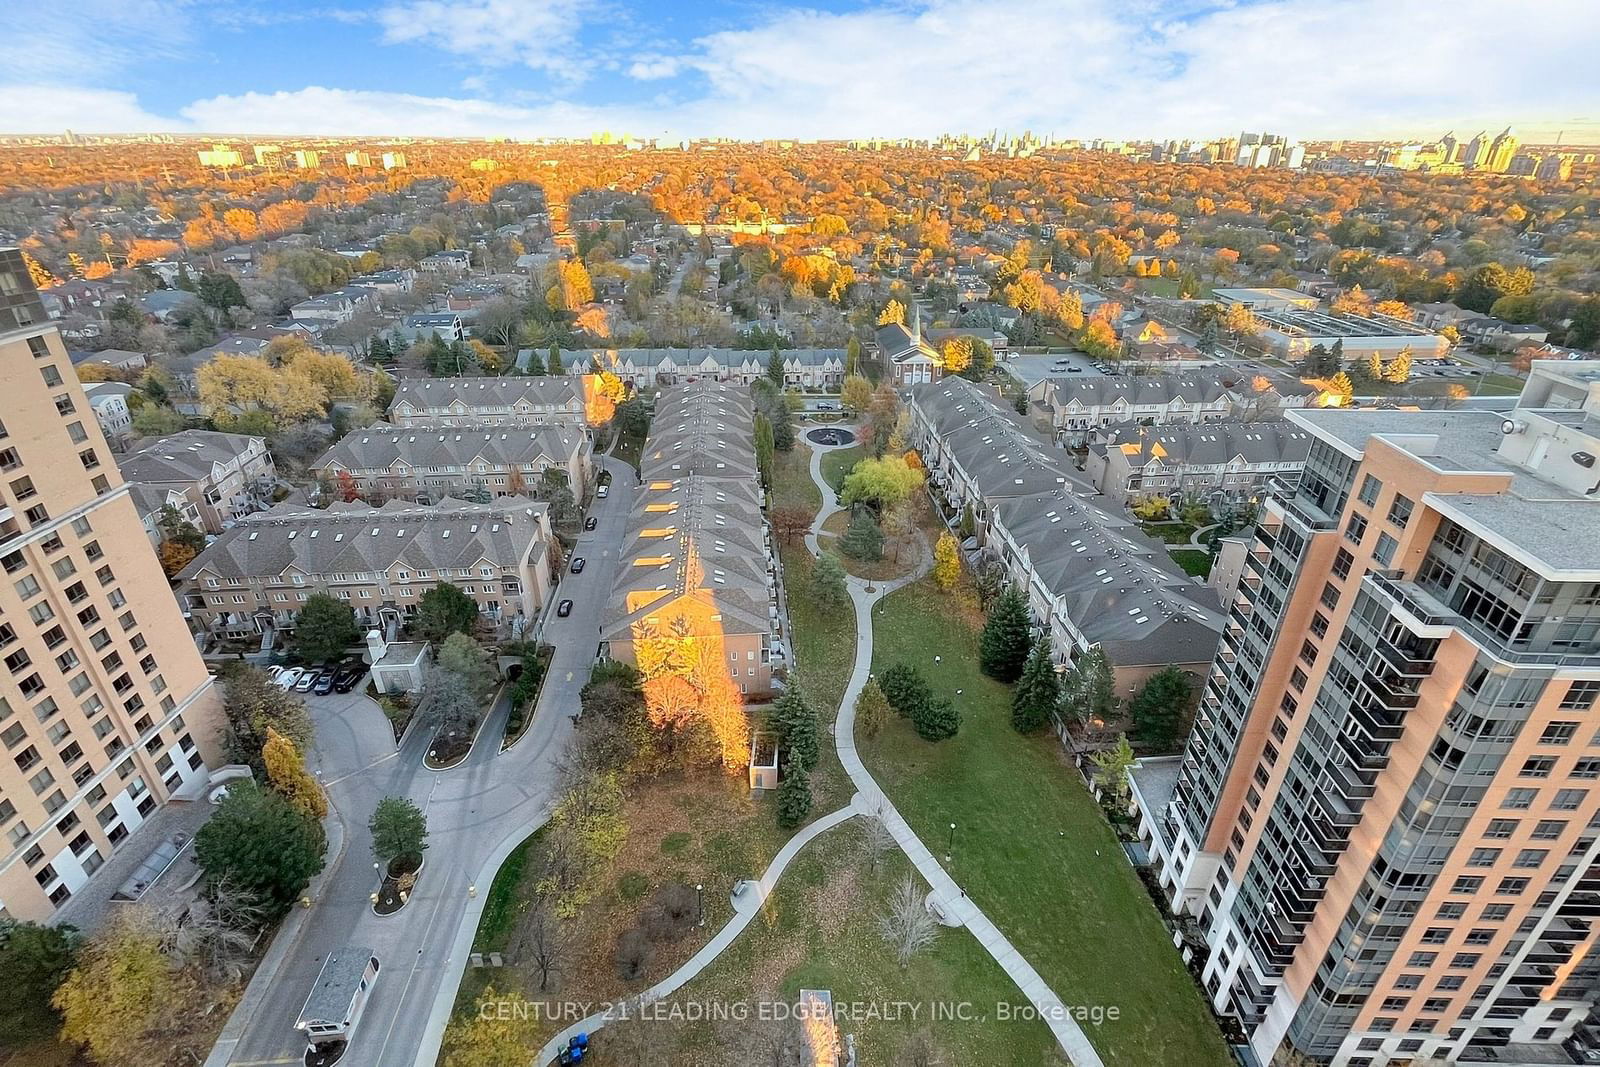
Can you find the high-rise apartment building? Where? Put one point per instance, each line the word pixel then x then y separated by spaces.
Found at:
pixel 1387 820
pixel 106 709
pixel 1502 150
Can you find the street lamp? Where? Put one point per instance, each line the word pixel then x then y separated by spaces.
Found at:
pixel 950 846
pixel 700 903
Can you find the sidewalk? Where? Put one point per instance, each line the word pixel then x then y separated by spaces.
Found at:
pixel 953 901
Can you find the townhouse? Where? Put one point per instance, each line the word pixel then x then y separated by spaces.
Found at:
pixel 698 562
pixel 1078 404
pixel 256 576
pixel 803 368
pixel 212 478
pixel 555 400
pixel 427 463
pixel 1092 578
pixel 1219 464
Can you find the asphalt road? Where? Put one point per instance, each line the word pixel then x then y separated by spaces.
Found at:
pixel 474 811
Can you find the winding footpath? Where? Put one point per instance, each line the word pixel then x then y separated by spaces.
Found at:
pixel 953 904
pixel 949 899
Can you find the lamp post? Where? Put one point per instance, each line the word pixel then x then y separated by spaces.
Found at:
pixel 950 846
pixel 700 903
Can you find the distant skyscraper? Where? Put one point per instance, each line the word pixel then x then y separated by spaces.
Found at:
pixel 1502 150
pixel 1447 147
pixel 1477 149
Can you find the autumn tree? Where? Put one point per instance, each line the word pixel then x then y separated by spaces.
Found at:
pixel 286 772
pixel 957 354
pixel 946 561
pixel 124 1001
pixel 855 395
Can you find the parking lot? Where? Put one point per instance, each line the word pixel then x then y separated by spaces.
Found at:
pixel 1032 369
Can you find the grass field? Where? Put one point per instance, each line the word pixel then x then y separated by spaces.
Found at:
pixel 1194 561
pixel 1173 533
pixel 837 463
pixel 819 931
pixel 1031 846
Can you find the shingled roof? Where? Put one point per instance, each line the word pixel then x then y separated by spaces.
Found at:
pixel 382 447
pixel 1207 444
pixel 437 394
pixel 995 445
pixel 186 456
pixel 352 538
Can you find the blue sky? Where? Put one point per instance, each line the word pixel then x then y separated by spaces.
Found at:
pixel 833 68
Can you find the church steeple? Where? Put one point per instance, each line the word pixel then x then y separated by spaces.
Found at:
pixel 916 325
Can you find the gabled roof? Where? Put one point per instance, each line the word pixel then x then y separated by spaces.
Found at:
pixel 1207 444
pixel 186 456
pixel 380 447
pixel 437 394
pixel 993 444
pixel 353 538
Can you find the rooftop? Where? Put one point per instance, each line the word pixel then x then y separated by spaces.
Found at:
pixel 185 456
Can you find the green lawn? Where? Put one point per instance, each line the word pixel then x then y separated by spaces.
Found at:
pixel 1194 561
pixel 836 464
pixel 807 938
pixel 791 479
pixel 1173 533
pixel 1167 288
pixel 1031 846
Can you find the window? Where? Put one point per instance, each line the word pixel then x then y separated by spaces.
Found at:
pixel 1436 1004
pixel 1581 695
pixel 1479 936
pixel 1568 799
pixel 1501 828
pixel 76 431
pixel 1383 551
pixel 1531 857
pixel 52 376
pixel 1467 884
pixel 1435 935
pixel 1400 510
pixel 1588 767
pixel 1558 733
pixel 22 489
pixel 1342 564
pixel 1408 981
pixel 1356 528
pixel 1519 799
pixel 65 406
pixel 1370 488
pixel 1510 887
pixel 1453 909
pixel 1549 829
pixel 1537 767
pixel 1465 959
pixel 1422 959
pixel 1483 857
pixel 64 567
pixel 1330 595
pixel 27 587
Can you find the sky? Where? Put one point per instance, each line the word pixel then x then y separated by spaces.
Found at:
pixel 1125 69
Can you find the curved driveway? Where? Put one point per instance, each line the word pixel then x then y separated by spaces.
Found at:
pixel 477 813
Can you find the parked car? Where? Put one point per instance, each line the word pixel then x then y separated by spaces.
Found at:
pixel 349 677
pixel 307 680
pixel 287 677
pixel 577 564
pixel 564 608
pixel 601 490
pixel 590 523
pixel 324 684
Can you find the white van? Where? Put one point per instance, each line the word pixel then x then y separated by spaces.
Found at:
pixel 334 1007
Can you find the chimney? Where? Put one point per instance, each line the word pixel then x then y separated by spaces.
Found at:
pixel 376 646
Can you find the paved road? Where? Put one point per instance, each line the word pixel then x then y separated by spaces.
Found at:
pixel 476 812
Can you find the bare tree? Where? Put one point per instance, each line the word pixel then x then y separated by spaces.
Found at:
pixel 545 943
pixel 876 839
pixel 767 1042
pixel 214 933
pixel 907 926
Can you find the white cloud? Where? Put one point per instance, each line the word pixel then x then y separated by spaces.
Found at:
pixel 534 33
pixel 53 108
pixel 324 111
pixel 1114 68
pixel 654 68
pixel 90 39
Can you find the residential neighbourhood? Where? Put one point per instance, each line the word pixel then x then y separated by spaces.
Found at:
pixel 1007 597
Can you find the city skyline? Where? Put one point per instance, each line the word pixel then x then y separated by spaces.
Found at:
pixel 555 68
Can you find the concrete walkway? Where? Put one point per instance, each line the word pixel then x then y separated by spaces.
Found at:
pixel 952 899
pixel 747 901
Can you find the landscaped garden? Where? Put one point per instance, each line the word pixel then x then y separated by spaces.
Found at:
pixel 1030 846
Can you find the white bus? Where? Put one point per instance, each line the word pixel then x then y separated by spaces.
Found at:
pixel 334 1007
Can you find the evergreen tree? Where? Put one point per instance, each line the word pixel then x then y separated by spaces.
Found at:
pixel 1090 690
pixel 764 449
pixel 445 610
pixel 797 730
pixel 775 369
pixel 1336 353
pixel 553 365
pixel 1034 701
pixel 1021 403
pixel 904 688
pixel 872 709
pixel 35 959
pixel 827 582
pixel 258 843
pixel 1159 707
pixel 1007 638
pixel 863 540
pixel 794 798
pixel 936 720
pixel 324 628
